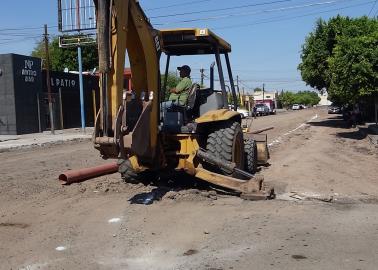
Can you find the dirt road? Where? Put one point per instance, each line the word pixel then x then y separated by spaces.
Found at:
pixel 325 216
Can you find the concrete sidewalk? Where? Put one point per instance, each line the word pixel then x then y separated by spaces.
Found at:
pixel 12 142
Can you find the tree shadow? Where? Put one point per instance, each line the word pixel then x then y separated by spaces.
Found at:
pixel 338 122
pixel 359 134
pixel 332 122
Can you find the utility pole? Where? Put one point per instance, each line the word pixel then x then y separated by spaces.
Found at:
pixel 237 85
pixel 48 80
pixel 263 92
pixel 82 111
pixel 376 110
pixel 202 76
pixel 80 63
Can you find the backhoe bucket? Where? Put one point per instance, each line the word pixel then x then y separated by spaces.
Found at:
pixel 253 189
pixel 251 186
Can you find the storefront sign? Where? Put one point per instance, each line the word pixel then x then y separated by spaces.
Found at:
pixel 28 72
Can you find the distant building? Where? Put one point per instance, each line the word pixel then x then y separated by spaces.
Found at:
pixel 20 84
pixel 269 98
pixel 23 96
pixel 65 89
pixel 324 99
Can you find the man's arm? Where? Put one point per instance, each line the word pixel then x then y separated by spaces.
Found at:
pixel 185 84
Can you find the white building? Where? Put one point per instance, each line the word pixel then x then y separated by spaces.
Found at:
pixel 260 95
pixel 324 99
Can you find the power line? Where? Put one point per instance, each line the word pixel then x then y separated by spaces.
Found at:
pixel 372 8
pixel 220 9
pixel 282 18
pixel 19 34
pixel 24 28
pixel 181 4
pixel 15 41
pixel 233 15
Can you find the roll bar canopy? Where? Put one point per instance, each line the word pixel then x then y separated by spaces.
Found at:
pixel 192 41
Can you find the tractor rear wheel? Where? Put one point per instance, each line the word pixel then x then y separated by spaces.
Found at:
pixel 250 151
pixel 127 172
pixel 227 144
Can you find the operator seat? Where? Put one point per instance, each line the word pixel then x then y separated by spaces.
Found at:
pixel 192 96
pixel 178 116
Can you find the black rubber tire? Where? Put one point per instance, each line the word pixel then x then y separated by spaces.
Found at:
pixel 250 151
pixel 227 144
pixel 127 172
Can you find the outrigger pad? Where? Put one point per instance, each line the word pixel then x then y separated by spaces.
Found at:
pixel 256 190
pixel 262 195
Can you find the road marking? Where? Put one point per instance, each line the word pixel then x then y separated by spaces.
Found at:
pixel 114 220
pixel 279 139
pixel 35 266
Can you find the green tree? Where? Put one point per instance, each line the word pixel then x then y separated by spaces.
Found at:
pixel 314 57
pixel 354 68
pixel 286 99
pixel 61 58
pixel 172 81
pixel 309 98
pixel 340 56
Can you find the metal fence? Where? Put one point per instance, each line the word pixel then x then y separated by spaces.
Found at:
pixel 76 15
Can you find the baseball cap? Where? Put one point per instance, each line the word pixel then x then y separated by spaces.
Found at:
pixel 185 67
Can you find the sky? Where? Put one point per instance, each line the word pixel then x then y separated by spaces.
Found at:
pixel 266 35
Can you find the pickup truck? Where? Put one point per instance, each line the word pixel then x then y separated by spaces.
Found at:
pixel 262 109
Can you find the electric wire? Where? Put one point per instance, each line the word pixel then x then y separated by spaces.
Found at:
pixel 372 8
pixel 26 28
pixel 282 18
pixel 181 4
pixel 220 9
pixel 237 15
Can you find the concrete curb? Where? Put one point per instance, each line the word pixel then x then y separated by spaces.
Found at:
pixel 4 149
pixel 38 140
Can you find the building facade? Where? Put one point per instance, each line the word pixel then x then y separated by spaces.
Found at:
pixel 20 83
pixel 24 100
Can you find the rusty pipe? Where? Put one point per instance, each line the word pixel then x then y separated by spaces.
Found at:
pixel 76 176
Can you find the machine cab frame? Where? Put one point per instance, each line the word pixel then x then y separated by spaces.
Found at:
pixel 200 41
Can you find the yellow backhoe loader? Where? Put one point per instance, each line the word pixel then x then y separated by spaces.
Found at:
pixel 202 137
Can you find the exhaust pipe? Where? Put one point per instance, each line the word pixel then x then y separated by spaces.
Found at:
pixel 76 176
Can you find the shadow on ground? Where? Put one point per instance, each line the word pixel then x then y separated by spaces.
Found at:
pixel 359 134
pixel 338 122
pixel 332 122
pixel 175 182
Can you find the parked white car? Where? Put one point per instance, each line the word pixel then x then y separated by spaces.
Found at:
pixel 296 107
pixel 243 112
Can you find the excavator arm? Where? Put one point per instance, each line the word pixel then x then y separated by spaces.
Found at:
pixel 123 27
